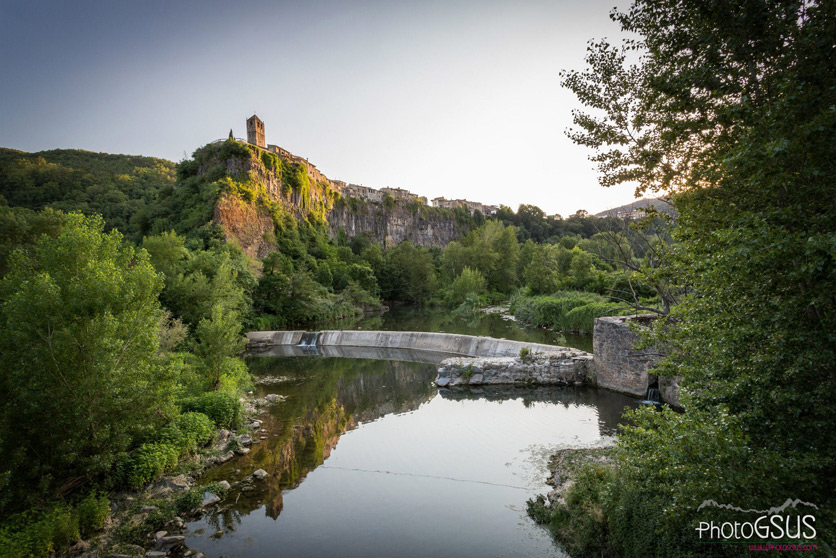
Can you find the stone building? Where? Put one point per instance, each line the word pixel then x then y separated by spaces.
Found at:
pixel 255 131
pixel 471 206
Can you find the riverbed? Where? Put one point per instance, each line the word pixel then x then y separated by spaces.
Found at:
pixel 368 458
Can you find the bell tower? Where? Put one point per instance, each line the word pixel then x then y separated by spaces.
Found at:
pixel 255 131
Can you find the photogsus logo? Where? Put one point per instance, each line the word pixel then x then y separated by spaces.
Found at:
pixel 772 530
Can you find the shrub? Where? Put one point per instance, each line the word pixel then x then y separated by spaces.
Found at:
pixel 525 354
pixel 38 533
pixel 188 432
pixel 92 512
pixel 222 408
pixel 188 501
pixel 553 310
pixel 150 461
pixel 582 318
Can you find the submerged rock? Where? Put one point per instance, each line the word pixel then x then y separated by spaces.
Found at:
pixel 260 474
pixel 209 499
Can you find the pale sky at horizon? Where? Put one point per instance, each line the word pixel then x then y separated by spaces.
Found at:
pixel 458 99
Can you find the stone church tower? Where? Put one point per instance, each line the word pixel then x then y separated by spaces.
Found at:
pixel 255 131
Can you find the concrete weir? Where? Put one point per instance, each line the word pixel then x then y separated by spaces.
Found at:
pixel 448 343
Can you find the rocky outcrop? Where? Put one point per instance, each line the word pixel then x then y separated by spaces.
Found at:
pixel 421 225
pixel 247 225
pixel 565 367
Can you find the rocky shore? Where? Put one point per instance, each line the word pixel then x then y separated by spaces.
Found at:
pixel 150 523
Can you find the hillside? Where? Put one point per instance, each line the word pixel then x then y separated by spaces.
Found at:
pixel 119 187
pixel 660 204
pixel 244 193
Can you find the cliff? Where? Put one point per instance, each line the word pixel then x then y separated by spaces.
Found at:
pixel 258 189
pixel 421 225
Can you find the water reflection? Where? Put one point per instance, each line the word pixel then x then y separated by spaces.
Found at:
pixel 365 458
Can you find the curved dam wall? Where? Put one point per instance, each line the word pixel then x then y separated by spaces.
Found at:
pixel 448 343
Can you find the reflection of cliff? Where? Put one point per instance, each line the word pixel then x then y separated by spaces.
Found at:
pixel 331 397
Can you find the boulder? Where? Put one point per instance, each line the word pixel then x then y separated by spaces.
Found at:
pixel 224 484
pixel 209 499
pixel 244 439
pixel 166 544
pixel 242 451
pixel 260 474
pixel 442 382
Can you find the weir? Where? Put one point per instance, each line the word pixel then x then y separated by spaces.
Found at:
pixel 450 344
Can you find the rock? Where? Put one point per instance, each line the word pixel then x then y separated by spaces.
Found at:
pixel 244 439
pixel 170 543
pixel 224 484
pixel 209 499
pixel 180 483
pixel 442 382
pixel 118 556
pixel 256 424
pixel 156 554
pixel 261 474
pixel 216 535
pixel 242 451
pixel 272 398
pixel 147 509
pixel 160 534
pixel 223 458
pixel 200 555
pixel 476 379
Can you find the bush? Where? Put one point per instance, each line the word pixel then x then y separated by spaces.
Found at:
pixel 188 432
pixel 525 354
pixel 582 318
pixel 38 533
pixel 556 311
pixel 150 461
pixel 92 512
pixel 222 408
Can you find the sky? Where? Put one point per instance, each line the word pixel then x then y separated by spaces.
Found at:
pixel 455 98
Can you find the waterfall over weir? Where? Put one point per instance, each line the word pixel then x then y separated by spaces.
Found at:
pixel 309 342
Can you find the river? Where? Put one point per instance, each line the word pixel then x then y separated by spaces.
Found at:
pixel 368 458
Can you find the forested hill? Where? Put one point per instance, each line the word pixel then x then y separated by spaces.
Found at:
pixel 119 187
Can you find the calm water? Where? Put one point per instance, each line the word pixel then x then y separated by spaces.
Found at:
pixel 444 321
pixel 367 458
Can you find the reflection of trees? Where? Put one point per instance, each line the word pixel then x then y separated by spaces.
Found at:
pixel 326 398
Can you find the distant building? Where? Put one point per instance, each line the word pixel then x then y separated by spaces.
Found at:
pixel 471 206
pixel 363 193
pixel 255 131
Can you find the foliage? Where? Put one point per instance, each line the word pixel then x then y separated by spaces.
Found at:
pixel 118 187
pixel 38 533
pixel 565 311
pixel 188 431
pixel 218 341
pixel 731 106
pixel 470 282
pixel 525 354
pixel 92 512
pixel 79 340
pixel 223 408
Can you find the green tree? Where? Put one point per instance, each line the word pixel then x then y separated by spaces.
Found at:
pixel 732 105
pixel 218 343
pixel 80 374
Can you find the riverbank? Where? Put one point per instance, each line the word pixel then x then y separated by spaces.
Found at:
pixel 151 522
pixel 574 474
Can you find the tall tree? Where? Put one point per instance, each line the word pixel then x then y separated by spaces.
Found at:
pixel 731 105
pixel 80 374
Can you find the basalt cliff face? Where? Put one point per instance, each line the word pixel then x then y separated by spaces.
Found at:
pixel 257 186
pixel 423 226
